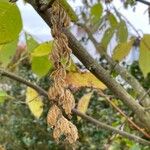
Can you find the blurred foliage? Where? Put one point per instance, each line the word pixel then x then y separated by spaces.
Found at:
pixel 20 130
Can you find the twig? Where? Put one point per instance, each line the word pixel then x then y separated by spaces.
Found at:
pixel 122 71
pixel 123 114
pixel 145 94
pixel 86 117
pixel 144 2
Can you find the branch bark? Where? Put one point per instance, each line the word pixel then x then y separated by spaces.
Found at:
pixel 75 111
pixel 143 97
pixel 95 68
pixel 144 2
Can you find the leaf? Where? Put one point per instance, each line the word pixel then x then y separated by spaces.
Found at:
pixel 86 79
pixel 96 12
pixel 112 20
pixel 107 37
pixel 34 102
pixel 31 43
pixel 122 33
pixel 41 65
pixel 144 59
pixel 42 50
pixel 3 96
pixel 10 22
pixel 7 51
pixel 40 62
pixel 69 10
pixel 135 147
pixel 84 103
pixel 122 50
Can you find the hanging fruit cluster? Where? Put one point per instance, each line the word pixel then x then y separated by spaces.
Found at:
pixel 63 100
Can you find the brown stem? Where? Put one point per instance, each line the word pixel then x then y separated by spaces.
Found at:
pixel 75 111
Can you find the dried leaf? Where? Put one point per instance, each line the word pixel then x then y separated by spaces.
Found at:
pixel 84 103
pixel 66 128
pixel 67 102
pixel 53 115
pixel 85 79
pixel 34 102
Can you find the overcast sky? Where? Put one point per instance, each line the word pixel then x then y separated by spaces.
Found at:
pixel 35 26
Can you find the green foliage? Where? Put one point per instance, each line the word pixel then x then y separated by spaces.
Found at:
pixel 10 22
pixel 107 37
pixel 31 43
pixel 122 32
pixel 144 60
pixel 96 12
pixel 112 20
pixel 7 52
pixel 40 62
pixel 69 10
pixel 3 96
pixel 122 50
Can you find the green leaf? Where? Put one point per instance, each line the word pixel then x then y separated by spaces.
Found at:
pixel 122 33
pixel 96 12
pixel 84 103
pixel 122 50
pixel 40 62
pixel 10 22
pixel 31 43
pixel 3 96
pixel 144 60
pixel 42 50
pixel 112 20
pixel 69 10
pixel 135 147
pixel 7 51
pixel 107 37
pixel 34 102
pixel 41 65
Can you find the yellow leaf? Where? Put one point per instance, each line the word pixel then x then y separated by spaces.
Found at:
pixel 122 50
pixel 84 103
pixel 34 102
pixel 144 59
pixel 85 79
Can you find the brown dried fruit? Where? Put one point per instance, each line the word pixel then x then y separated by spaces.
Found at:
pixel 66 128
pixel 67 102
pixel 53 115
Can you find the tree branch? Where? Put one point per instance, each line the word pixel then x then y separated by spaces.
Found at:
pixel 144 2
pixel 75 111
pixel 144 98
pixel 100 72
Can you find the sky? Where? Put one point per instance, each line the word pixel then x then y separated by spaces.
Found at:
pixel 36 27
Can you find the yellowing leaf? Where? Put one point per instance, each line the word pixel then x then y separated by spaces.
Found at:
pixel 144 60
pixel 86 79
pixel 34 102
pixel 84 103
pixel 122 50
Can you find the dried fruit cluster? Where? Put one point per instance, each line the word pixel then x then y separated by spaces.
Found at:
pixel 58 93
